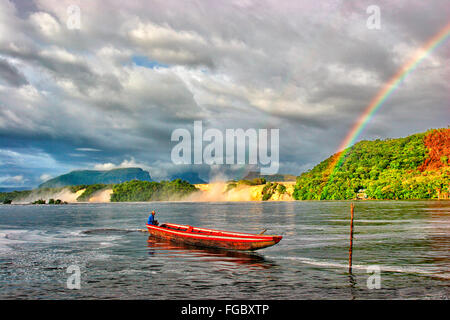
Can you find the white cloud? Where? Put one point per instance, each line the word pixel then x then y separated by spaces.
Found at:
pixel 88 149
pixel 45 177
pixel 32 159
pixel 156 35
pixel 12 180
pixel 46 23
pixel 131 163
pixel 59 54
pixel 105 166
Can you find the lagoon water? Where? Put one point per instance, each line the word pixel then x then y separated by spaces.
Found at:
pixel 408 240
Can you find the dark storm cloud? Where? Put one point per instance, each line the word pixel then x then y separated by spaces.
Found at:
pixel 78 71
pixel 10 74
pixel 308 68
pixel 419 20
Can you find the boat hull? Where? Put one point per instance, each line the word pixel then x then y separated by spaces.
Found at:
pixel 210 238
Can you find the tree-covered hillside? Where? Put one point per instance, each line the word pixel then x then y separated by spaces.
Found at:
pixel 415 167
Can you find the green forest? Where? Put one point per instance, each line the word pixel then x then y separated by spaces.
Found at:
pixel 151 191
pixel 415 167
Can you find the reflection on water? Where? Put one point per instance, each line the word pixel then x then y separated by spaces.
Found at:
pixel 352 285
pixel 175 250
pixel 440 237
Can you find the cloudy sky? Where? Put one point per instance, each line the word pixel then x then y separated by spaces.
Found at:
pixel 110 93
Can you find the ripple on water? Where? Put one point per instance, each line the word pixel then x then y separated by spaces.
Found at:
pixel 408 240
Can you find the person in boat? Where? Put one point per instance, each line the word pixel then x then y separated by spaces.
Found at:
pixel 151 219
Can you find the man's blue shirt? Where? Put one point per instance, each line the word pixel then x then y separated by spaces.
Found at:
pixel 151 219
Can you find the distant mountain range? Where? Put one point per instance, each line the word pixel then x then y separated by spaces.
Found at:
pixel 80 177
pixel 274 177
pixel 191 177
pixel 113 176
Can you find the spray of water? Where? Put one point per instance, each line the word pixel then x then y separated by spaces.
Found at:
pixel 217 191
pixel 64 194
pixel 101 196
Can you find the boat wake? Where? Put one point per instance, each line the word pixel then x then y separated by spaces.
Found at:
pixel 111 231
pixel 8 237
pixel 383 268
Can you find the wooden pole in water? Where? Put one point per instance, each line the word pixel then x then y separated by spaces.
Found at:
pixel 352 207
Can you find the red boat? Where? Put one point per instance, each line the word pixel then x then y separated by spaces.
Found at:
pixel 212 238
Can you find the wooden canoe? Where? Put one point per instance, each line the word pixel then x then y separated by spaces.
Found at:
pixel 211 238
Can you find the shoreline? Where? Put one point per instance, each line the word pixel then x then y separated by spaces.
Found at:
pixel 194 202
pixel 215 192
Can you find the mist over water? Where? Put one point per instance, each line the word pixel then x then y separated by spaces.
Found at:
pixel 217 192
pixel 65 194
pixel 409 240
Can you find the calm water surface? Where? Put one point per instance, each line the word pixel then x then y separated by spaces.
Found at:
pixel 409 241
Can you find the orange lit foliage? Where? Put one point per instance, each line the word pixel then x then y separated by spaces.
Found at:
pixel 438 145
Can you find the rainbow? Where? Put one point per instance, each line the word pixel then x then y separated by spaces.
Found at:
pixel 386 91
